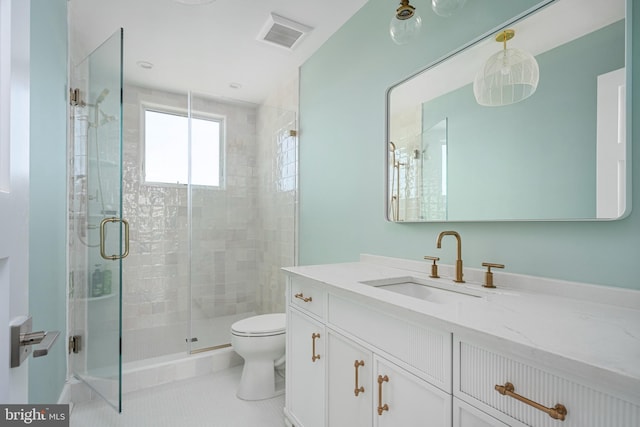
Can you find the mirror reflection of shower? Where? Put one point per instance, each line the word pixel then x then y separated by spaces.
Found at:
pixel 402 165
pixel 394 184
pixel 417 187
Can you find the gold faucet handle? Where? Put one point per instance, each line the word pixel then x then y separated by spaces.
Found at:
pixel 488 275
pixel 434 266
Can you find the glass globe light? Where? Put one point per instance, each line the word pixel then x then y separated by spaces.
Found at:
pixel 508 76
pixel 405 23
pixel 447 8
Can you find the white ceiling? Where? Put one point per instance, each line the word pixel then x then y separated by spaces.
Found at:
pixel 205 48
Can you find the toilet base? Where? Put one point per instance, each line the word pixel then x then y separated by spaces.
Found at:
pixel 258 381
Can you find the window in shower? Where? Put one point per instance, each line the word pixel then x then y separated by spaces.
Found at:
pixel 166 149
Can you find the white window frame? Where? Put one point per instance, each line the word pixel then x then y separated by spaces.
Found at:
pixel 182 112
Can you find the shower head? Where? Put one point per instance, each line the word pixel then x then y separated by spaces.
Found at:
pixel 102 96
pixel 392 150
pixel 106 118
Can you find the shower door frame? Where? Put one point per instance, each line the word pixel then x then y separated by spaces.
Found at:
pixel 97 227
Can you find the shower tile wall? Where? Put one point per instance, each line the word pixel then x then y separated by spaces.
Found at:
pixel 407 135
pixel 278 150
pixel 156 289
pixel 242 235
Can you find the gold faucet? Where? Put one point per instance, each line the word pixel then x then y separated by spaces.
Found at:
pixel 458 278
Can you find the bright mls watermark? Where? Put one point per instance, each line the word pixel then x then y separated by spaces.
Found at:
pixel 34 415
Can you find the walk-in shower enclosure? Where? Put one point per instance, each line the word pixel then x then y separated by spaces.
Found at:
pixel 208 190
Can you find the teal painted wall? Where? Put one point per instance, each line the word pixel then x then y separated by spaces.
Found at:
pixel 535 159
pixel 342 158
pixel 48 196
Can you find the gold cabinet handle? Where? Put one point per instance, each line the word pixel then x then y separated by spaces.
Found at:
pixel 103 226
pixel 303 298
pixel 558 412
pixel 381 407
pixel 314 356
pixel 358 389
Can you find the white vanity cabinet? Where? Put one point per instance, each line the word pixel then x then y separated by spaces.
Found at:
pixel 350 388
pixel 387 395
pixel 465 415
pixel 306 356
pixel 533 394
pixel 402 399
pixel 529 355
pixel 418 347
pixel 403 368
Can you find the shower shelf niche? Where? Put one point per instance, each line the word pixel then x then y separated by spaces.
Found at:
pixel 102 297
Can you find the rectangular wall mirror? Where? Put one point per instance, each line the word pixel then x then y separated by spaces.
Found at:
pixel 462 146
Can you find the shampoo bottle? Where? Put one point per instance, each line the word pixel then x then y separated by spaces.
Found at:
pixel 96 282
pixel 106 280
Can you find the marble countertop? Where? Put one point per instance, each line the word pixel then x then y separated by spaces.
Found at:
pixel 591 331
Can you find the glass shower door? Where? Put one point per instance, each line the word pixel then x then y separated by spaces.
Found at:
pixel 99 233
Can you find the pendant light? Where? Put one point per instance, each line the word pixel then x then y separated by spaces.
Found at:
pixel 405 23
pixel 446 8
pixel 508 76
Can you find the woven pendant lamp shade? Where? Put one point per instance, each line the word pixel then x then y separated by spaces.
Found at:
pixel 508 76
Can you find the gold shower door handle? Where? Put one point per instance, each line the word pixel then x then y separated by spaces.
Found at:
pixel 103 226
pixel 558 412
pixel 381 407
pixel 314 356
pixel 358 389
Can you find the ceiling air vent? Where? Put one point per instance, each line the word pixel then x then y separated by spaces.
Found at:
pixel 283 32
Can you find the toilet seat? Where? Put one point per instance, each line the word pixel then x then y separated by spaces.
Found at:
pixel 264 325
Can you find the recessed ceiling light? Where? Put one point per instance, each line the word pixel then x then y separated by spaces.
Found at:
pixel 144 64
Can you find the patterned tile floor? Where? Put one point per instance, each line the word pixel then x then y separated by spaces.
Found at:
pixel 203 401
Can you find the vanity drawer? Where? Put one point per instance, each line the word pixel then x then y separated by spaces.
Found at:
pixel 427 350
pixel 308 295
pixel 480 370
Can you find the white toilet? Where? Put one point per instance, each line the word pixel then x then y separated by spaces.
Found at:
pixel 260 340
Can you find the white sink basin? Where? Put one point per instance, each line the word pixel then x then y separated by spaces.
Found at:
pixel 423 289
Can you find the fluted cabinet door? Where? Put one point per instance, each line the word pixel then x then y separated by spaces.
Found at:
pixel 346 407
pixel 521 392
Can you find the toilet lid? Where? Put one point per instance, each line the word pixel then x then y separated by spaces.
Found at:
pixel 265 324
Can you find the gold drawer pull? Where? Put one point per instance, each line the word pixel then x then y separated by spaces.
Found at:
pixel 381 407
pixel 314 356
pixel 558 412
pixel 303 298
pixel 359 389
